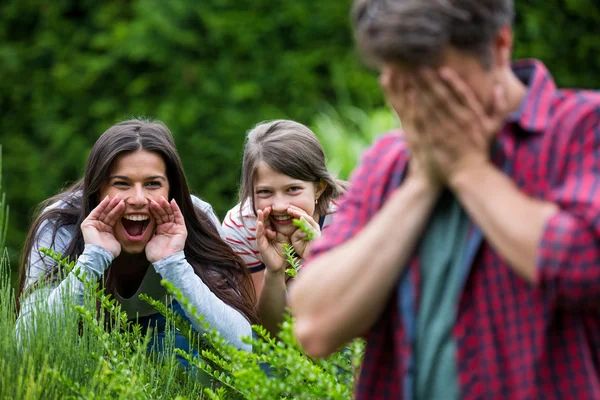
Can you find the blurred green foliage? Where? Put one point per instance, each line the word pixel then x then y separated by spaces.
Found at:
pixel 345 132
pixel 210 70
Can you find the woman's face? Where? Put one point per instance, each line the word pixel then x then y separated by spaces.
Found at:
pixel 278 191
pixel 137 178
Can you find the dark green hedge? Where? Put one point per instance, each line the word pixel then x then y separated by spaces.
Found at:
pixel 210 70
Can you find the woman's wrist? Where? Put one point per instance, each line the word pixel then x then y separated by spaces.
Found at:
pixel 174 257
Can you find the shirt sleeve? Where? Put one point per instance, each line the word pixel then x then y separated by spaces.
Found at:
pixel 232 325
pixel 208 210
pixel 38 263
pixel 242 239
pixel 380 171
pixel 568 258
pixel 91 265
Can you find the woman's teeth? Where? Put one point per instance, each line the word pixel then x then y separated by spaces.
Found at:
pixel 282 218
pixel 136 217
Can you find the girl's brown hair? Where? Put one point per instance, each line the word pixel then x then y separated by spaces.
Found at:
pixel 292 149
pixel 210 257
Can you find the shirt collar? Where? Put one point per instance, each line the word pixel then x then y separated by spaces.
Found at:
pixel 533 114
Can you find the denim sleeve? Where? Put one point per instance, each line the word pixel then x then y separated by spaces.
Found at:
pixel 232 325
pixel 91 263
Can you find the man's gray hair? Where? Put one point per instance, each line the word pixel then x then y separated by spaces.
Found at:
pixel 416 32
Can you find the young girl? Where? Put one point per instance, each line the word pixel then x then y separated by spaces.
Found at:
pixel 284 176
pixel 131 222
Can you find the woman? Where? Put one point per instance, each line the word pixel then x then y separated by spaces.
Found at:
pixel 130 223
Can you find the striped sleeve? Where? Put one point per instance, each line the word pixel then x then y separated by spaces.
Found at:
pixel 239 231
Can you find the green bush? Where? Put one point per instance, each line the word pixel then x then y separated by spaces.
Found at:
pixel 71 354
pixel 210 70
pixel 346 132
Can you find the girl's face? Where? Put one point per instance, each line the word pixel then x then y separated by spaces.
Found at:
pixel 278 191
pixel 137 178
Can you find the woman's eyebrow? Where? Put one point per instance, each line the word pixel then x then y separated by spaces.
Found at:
pixel 155 177
pixel 123 177
pixel 148 178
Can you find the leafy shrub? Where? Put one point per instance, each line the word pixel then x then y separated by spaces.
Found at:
pixel 73 354
pixel 210 70
pixel 69 354
pixel 345 132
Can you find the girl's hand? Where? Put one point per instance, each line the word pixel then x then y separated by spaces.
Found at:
pixel 270 243
pixel 299 239
pixel 171 233
pixel 98 227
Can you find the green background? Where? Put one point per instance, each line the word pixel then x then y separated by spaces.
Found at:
pixel 210 70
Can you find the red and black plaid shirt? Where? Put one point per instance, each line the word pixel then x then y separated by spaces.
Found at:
pixel 515 340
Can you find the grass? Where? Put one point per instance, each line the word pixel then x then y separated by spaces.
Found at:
pixel 70 355
pixel 73 354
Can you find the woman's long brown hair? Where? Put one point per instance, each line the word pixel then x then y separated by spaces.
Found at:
pixel 211 258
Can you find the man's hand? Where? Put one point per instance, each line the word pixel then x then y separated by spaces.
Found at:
pixel 460 132
pixel 402 97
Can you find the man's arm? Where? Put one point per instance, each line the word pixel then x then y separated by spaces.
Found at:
pixel 513 222
pixel 344 291
pixel 554 244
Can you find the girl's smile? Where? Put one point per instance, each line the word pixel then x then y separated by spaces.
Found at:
pixel 279 191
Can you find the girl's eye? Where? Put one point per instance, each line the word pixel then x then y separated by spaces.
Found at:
pixel 154 184
pixel 295 188
pixel 120 184
pixel 263 192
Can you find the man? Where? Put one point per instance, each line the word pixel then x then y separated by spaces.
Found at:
pixel 467 250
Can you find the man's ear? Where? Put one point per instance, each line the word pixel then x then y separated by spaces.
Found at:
pixel 502 47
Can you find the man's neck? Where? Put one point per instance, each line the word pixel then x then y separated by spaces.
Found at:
pixel 514 90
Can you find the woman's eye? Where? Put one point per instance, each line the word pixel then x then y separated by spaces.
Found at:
pixel 263 192
pixel 154 184
pixel 120 184
pixel 295 188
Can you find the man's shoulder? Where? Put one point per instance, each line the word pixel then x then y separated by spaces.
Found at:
pixel 391 143
pixel 574 112
pixel 385 159
pixel 389 148
pixel 581 101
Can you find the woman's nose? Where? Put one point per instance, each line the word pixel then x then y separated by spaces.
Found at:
pixel 138 197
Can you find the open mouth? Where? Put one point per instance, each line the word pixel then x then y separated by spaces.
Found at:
pixel 282 219
pixel 135 226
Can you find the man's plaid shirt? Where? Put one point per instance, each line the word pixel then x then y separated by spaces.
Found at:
pixel 515 340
